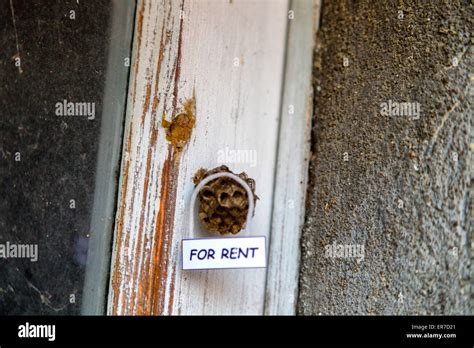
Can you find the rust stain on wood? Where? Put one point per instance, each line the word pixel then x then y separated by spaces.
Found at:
pixel 172 285
pixel 139 42
pixel 149 296
pixel 146 104
pixel 165 218
pixel 177 73
pixel 116 274
pixel 163 232
pixel 147 277
pixel 164 41
pixel 136 275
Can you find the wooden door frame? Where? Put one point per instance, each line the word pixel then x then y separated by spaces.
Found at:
pixel 258 98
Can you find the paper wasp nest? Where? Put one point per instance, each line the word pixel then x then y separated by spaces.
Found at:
pixel 223 203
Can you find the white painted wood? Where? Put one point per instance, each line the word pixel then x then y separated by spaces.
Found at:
pixel 293 161
pixel 231 55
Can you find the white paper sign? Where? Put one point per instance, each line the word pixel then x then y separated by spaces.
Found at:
pixel 233 252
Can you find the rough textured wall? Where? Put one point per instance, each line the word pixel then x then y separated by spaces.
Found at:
pixel 396 183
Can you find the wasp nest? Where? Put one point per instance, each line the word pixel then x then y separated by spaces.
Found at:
pixel 223 203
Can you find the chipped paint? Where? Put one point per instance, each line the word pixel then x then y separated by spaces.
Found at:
pixel 143 235
pixel 138 39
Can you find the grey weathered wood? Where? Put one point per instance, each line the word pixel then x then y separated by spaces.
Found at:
pixel 108 160
pixel 292 161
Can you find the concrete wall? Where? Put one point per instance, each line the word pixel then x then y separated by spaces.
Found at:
pixel 398 185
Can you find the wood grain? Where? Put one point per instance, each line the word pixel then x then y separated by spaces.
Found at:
pixel 230 55
pixel 292 161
